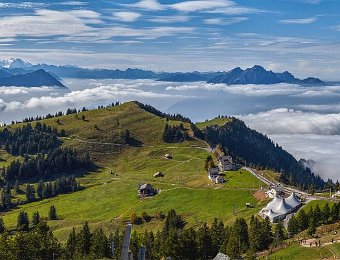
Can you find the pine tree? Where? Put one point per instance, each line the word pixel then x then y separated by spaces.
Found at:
pixel 312 226
pixel 204 243
pixel 317 214
pixel 71 245
pixel 40 189
pixel 84 240
pixel 100 245
pixel 35 218
pixel 52 214
pixel 23 221
pixel 30 193
pixel 279 234
pixel 326 213
pixel 292 226
pixel 2 226
pixel 302 219
pixel 17 187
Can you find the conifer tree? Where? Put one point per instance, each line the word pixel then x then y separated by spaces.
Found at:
pixel 52 214
pixel 23 221
pixel 35 218
pixel 2 226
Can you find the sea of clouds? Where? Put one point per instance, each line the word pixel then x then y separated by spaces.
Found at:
pixel 304 120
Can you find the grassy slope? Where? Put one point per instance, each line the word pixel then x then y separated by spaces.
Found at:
pixel 298 252
pixel 216 121
pixel 109 200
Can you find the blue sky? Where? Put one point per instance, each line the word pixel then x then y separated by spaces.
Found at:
pixel 302 36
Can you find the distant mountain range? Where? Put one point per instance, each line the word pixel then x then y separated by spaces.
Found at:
pixel 38 78
pixel 258 75
pixel 236 76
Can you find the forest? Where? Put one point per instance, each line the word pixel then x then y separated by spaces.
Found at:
pixel 256 150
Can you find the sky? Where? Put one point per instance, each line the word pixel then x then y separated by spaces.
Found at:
pixel 302 36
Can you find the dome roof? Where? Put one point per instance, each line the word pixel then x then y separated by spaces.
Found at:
pixel 293 200
pixel 282 208
pixel 274 203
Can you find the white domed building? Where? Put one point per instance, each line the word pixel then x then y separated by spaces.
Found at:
pixel 278 208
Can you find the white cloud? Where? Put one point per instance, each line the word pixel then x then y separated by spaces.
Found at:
pixel 170 19
pixel 299 21
pixel 152 5
pixel 200 5
pixel 222 21
pixel 289 121
pixel 48 23
pixel 127 16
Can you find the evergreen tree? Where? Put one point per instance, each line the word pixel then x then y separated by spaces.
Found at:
pixel 293 227
pixel 84 240
pixel 35 218
pixel 100 245
pixel 279 233
pixel 40 189
pixel 302 219
pixel 71 245
pixel 52 214
pixel 30 193
pixel 317 214
pixel 188 245
pixel 312 226
pixel 2 226
pixel 326 213
pixel 23 221
pixel 204 243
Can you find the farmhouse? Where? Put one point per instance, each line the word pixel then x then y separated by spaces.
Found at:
pixel 215 176
pixel 146 190
pixel 225 163
pixel 278 208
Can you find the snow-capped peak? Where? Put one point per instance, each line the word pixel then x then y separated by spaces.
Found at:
pixel 15 64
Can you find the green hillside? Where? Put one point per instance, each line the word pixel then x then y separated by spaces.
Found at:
pixel 108 200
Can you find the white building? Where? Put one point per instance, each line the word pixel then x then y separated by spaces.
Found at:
pixel 278 208
pixel 215 176
pixel 225 163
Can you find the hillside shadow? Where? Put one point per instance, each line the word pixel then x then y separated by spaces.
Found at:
pixel 134 142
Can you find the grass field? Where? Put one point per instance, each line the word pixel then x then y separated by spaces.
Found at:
pixel 109 199
pixel 217 121
pixel 298 252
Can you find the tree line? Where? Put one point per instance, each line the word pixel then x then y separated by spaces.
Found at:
pixel 30 140
pixel 313 218
pixel 69 111
pixel 152 110
pixel 175 134
pixel 34 240
pixel 56 162
pixel 43 190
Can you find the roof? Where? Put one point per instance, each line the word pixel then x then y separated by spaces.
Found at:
pixel 221 256
pixel 283 207
pixel 146 186
pixel 293 200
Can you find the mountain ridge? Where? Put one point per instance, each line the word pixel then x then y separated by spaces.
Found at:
pixel 37 78
pixel 237 76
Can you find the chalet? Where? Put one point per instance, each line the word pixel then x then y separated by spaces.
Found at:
pixel 146 190
pixel 168 156
pixel 158 175
pixel 225 163
pixel 215 176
